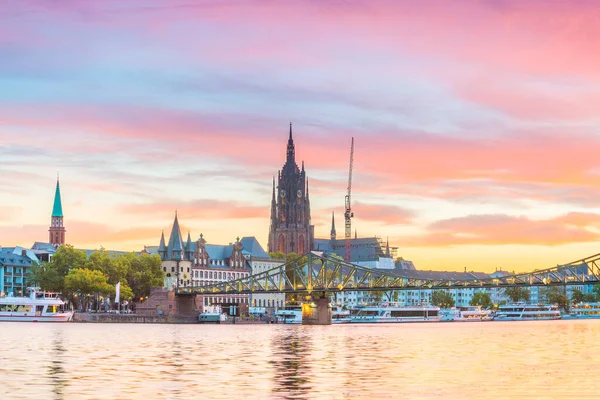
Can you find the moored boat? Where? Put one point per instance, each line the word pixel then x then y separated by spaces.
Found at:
pixel 394 312
pixel 583 311
pixel 339 315
pixel 37 306
pixel 527 312
pixel 289 315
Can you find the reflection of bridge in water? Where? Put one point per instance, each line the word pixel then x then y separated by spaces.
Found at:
pixel 315 275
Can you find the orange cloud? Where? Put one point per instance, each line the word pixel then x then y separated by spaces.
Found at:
pixel 499 229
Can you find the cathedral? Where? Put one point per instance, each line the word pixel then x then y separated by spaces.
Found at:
pixel 290 228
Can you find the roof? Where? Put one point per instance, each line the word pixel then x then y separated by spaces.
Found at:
pixel 363 249
pixel 175 242
pixel 57 209
pixel 253 247
pixel 445 275
pixel 43 246
pixel 14 260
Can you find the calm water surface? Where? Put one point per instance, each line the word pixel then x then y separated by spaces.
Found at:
pixel 490 360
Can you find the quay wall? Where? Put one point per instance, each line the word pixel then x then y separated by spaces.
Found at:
pixel 107 318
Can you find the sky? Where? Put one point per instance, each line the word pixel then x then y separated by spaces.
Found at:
pixel 476 124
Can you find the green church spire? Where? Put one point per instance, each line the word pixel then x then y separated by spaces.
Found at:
pixel 57 209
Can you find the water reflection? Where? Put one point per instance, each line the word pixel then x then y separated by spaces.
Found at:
pixel 56 370
pixel 291 352
pixel 415 361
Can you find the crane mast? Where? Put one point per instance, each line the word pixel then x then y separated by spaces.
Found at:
pixel 349 214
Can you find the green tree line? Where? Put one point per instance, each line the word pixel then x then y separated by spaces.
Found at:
pixel 83 279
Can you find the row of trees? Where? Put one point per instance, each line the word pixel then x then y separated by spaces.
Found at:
pixel 82 278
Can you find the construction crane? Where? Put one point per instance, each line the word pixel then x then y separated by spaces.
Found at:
pixel 349 214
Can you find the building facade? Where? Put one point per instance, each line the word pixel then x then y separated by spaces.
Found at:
pixel 290 227
pixel 198 263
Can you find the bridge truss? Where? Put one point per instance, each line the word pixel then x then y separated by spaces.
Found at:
pixel 316 272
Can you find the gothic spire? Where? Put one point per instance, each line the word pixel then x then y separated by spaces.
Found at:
pixel 162 246
pixel 333 233
pixel 291 152
pixel 175 242
pixel 387 247
pixel 57 209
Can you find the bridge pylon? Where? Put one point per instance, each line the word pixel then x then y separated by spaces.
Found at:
pixel 316 310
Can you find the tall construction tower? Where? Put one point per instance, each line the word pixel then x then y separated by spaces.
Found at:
pixel 349 214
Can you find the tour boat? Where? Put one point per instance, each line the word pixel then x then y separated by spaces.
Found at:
pixel 472 314
pixel 289 315
pixel 527 312
pixel 339 315
pixel 584 311
pixel 394 312
pixel 38 306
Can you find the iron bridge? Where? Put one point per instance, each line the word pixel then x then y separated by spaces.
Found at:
pixel 316 272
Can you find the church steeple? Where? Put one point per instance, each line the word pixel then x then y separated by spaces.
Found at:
pixel 57 209
pixel 57 230
pixel 333 233
pixel 291 151
pixel 290 229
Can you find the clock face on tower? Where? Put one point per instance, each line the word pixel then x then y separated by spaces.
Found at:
pixel 299 193
pixel 283 193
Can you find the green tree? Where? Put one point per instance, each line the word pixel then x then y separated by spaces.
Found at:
pixel 577 296
pixel 589 298
pixel 51 275
pixel 482 299
pixel 278 255
pixel 441 298
pixel 81 283
pixel 555 295
pixel 144 273
pixel 596 291
pixel 516 293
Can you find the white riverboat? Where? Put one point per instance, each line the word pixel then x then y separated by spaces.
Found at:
pixel 466 314
pixel 527 312
pixel 339 315
pixel 37 306
pixel 583 311
pixel 289 315
pixel 395 312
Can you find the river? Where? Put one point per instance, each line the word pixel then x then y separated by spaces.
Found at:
pixel 499 360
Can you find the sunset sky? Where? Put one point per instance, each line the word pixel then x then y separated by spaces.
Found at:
pixel 476 124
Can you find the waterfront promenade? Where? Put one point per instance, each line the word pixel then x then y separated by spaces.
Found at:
pixel 500 360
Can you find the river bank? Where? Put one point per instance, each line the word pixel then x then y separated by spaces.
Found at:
pixel 108 318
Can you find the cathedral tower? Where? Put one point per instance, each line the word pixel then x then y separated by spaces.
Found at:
pixel 290 228
pixel 57 230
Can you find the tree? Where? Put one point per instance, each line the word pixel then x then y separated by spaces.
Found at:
pixel 516 293
pixel 555 295
pixel 51 275
pixel 442 299
pixel 577 296
pixel 482 299
pixel 596 290
pixel 144 273
pixel 85 282
pixel 278 255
